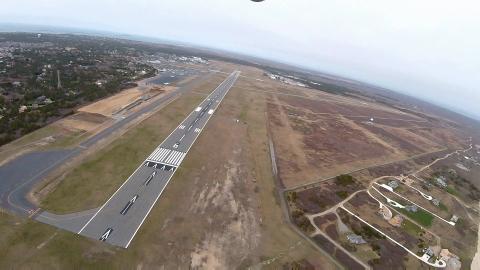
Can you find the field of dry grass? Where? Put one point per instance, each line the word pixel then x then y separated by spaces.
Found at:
pixel 325 135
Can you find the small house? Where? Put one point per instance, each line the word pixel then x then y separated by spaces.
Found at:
pixel 454 219
pixel 411 208
pixel 356 239
pixel 393 184
pixel 441 181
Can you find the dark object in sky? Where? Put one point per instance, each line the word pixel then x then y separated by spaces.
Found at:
pixel 257 0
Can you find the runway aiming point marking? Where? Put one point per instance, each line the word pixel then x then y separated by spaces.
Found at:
pixel 160 166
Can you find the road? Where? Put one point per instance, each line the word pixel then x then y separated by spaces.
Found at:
pixel 119 219
pixel 318 181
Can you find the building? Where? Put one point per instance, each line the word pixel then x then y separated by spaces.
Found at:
pixel 22 109
pixel 454 219
pixel 452 260
pixel 393 184
pixel 356 239
pixel 40 99
pixel 427 253
pixel 441 181
pixel 411 208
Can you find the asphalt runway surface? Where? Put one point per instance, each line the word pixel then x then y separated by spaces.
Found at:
pixel 119 219
pixel 18 176
pixel 14 178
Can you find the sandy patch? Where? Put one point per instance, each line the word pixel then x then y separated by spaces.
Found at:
pixel 238 227
pixel 112 104
pixel 82 121
pixel 73 124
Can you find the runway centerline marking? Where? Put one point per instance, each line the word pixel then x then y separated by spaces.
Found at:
pixel 163 159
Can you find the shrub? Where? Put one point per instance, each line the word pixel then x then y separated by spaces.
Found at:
pixel 344 180
pixel 342 194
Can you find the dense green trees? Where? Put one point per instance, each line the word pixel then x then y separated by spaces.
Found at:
pixel 81 61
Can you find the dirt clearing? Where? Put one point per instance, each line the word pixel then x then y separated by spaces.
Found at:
pixel 112 105
pixel 83 121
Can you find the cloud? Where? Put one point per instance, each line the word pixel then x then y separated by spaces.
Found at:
pixel 423 48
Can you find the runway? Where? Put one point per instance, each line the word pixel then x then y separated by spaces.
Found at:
pixel 21 174
pixel 119 219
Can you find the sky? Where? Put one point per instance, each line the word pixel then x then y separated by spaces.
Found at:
pixel 428 49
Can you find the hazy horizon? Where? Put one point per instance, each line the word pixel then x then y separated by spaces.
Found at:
pixel 411 48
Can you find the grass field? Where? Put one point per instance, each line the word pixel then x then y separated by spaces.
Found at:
pixel 422 217
pixel 279 244
pixel 452 190
pixel 33 141
pixel 411 228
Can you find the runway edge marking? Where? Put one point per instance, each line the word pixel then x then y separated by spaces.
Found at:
pixel 158 196
pixel 141 165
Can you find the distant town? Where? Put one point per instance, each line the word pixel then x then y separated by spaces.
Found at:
pixel 45 77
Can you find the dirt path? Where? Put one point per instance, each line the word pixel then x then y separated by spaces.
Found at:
pixel 313 183
pixel 445 157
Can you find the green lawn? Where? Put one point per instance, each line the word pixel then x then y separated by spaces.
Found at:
pixel 422 217
pixel 411 228
pixel 451 190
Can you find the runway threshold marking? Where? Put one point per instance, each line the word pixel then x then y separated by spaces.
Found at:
pixel 175 158
pixel 159 154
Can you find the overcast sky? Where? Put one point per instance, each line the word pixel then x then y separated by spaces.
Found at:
pixel 428 48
